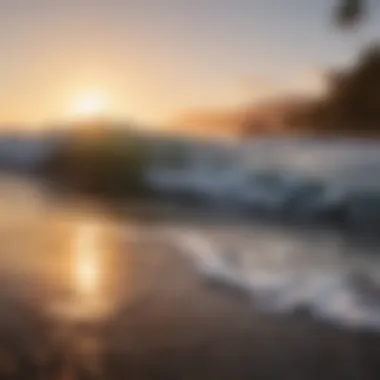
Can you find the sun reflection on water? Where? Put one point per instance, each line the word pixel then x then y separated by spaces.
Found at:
pixel 91 273
pixel 87 261
pixel 88 268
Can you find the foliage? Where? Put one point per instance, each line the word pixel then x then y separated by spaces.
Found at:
pixel 108 164
pixel 349 12
pixel 353 101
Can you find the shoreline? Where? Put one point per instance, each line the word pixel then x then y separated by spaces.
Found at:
pixel 178 326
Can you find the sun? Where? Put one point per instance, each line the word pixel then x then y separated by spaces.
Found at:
pixel 89 106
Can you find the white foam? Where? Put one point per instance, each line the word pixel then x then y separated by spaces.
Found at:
pixel 327 293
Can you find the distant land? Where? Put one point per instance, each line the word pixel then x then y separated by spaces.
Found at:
pixel 276 116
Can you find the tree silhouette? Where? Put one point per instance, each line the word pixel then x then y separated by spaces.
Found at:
pixel 353 101
pixel 350 12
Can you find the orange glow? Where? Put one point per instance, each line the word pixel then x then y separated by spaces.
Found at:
pixel 88 106
pixel 87 268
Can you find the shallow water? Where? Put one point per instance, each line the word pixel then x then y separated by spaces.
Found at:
pixel 68 268
pixel 60 271
pixel 332 182
pixel 328 274
pixel 73 248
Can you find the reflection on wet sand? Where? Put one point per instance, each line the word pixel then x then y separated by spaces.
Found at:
pixel 58 282
pixel 82 298
pixel 90 275
pixel 62 254
pixel 87 261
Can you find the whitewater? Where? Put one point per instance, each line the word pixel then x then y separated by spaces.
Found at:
pixel 307 239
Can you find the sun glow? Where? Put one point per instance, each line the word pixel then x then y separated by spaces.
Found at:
pixel 87 264
pixel 89 106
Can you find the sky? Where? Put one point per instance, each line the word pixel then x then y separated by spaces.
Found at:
pixel 153 59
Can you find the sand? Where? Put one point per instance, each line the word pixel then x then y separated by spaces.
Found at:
pixel 179 326
pixel 170 323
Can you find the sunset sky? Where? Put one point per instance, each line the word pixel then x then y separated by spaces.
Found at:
pixel 152 59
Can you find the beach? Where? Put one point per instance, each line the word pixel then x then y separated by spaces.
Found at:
pixel 92 294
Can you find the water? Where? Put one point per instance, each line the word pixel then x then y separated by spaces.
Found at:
pixel 329 275
pixel 79 282
pixel 59 273
pixel 332 182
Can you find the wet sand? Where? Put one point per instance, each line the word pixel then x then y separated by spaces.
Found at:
pixel 84 296
pixel 169 323
pixel 177 326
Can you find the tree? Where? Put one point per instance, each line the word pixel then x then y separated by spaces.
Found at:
pixel 353 101
pixel 349 12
